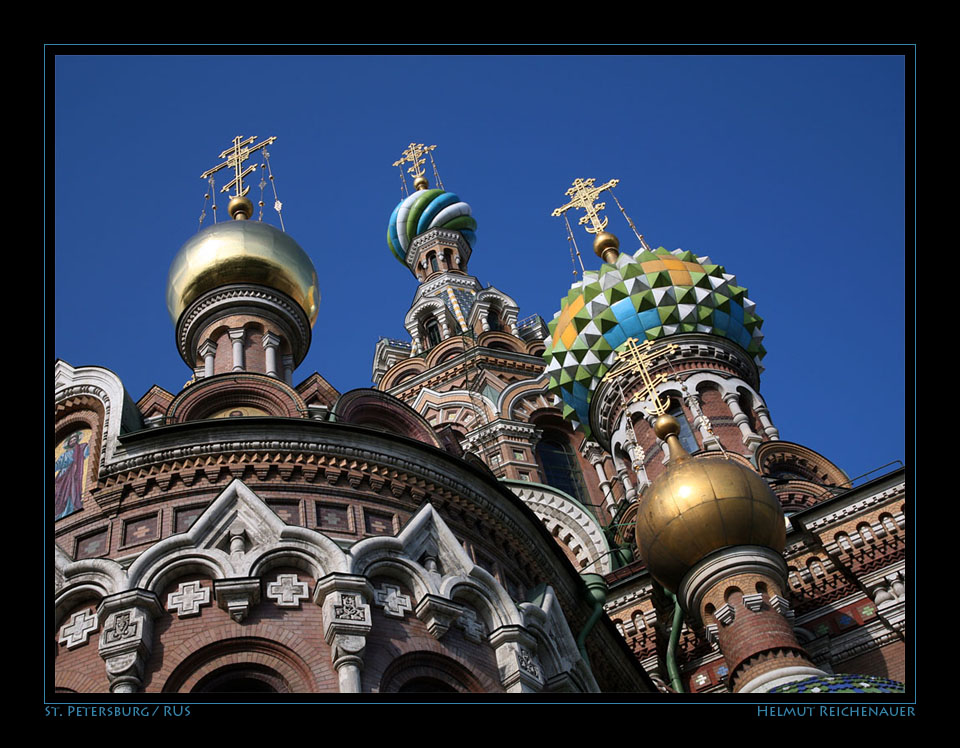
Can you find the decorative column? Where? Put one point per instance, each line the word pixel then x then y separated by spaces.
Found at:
pixel 127 637
pixel 345 601
pixel 763 414
pixel 700 422
pixel 236 336
pixel 517 664
pixel 597 457
pixel 510 318
pixel 444 327
pixel 208 351
pixel 750 439
pixel 287 362
pixel 270 344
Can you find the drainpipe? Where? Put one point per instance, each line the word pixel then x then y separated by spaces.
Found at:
pixel 597 592
pixel 672 670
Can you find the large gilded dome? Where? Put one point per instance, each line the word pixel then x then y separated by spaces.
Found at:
pixel 242 252
pixel 647 296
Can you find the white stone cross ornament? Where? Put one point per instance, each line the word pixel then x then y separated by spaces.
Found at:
pixel 392 600
pixel 188 598
pixel 76 632
pixel 288 591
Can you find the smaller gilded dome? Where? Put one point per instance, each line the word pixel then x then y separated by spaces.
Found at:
pixel 700 505
pixel 242 252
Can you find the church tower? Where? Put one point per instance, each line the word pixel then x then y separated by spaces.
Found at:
pixel 250 534
pixel 656 356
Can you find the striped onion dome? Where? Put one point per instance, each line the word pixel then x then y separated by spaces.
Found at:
pixel 428 209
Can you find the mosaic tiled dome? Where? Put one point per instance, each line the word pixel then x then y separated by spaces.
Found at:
pixel 648 296
pixel 841 684
pixel 428 209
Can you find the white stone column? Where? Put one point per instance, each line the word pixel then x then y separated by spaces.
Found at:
pixel 127 637
pixel 444 327
pixel 270 344
pixel 516 648
pixel 699 422
pixel 750 439
pixel 768 428
pixel 236 336
pixel 597 457
pixel 344 599
pixel 208 350
pixel 287 362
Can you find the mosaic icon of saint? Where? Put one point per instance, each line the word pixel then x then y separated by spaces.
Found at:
pixel 69 470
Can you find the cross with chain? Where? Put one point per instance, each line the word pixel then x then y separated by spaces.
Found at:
pixel 636 358
pixel 583 194
pixel 235 155
pixel 414 153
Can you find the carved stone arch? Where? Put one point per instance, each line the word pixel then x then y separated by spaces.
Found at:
pixel 443 351
pixel 564 516
pixel 401 371
pixel 87 579
pixel 505 341
pixel 418 311
pixel 120 413
pixel 209 563
pixel 484 594
pixel 191 669
pixel 284 556
pixel 516 395
pixel 379 410
pixel 217 393
pixel 790 461
pixel 404 570
pixel 428 668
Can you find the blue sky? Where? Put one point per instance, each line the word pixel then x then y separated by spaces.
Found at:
pixel 788 170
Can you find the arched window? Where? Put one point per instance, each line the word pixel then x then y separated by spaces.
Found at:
pixel 560 466
pixel 245 678
pixel 493 320
pixel 687 439
pixel 432 328
pixel 433 262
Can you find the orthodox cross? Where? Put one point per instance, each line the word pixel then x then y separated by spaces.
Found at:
pixel 636 358
pixel 583 194
pixel 414 153
pixel 235 155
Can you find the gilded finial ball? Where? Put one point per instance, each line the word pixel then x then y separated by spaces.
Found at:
pixel 666 425
pixel 421 183
pixel 240 207
pixel 606 246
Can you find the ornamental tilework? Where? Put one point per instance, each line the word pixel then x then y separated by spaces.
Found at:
pixel 842 684
pixel 648 296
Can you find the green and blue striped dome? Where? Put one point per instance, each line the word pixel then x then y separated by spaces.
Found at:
pixel 428 209
pixel 647 296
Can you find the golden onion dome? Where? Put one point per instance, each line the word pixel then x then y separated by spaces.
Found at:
pixel 700 505
pixel 242 252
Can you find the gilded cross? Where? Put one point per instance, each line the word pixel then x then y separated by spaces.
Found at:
pixel 583 194
pixel 636 358
pixel 235 155
pixel 414 153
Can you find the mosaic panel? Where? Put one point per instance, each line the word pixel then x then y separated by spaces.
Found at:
pixel 70 466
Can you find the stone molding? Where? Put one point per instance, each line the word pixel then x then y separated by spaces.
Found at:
pixel 239 299
pixel 725 563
